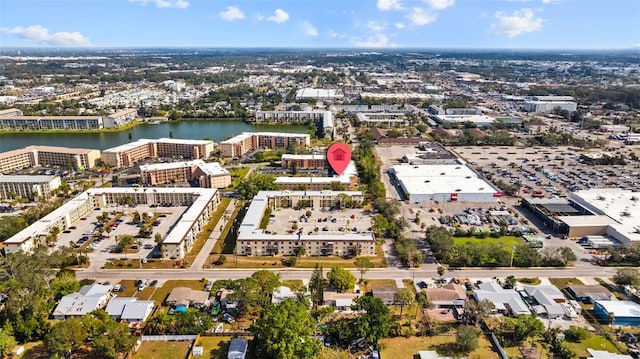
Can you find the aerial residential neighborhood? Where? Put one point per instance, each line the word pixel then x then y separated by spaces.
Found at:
pixel 372 199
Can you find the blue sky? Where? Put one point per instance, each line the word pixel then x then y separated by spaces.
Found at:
pixel 534 24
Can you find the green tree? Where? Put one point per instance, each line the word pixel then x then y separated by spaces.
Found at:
pixel 576 334
pixel 473 312
pixel 124 242
pixel 317 283
pixel 254 183
pixel 627 276
pixel 402 298
pixel 7 341
pixel 66 337
pixel 441 270
pixel 377 323
pixel 341 279
pixel 467 338
pixel 363 264
pixel 285 331
pixel 516 330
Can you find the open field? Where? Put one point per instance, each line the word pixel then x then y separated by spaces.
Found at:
pixel 595 342
pixel 218 347
pixel 162 350
pixel 444 344
pixel 506 241
pixel 562 283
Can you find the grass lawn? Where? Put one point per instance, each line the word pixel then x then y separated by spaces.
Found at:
pixel 218 347
pixel 208 228
pixel 562 283
pixel 263 262
pixel 161 293
pixel 401 347
pixel 506 241
pixel 162 350
pixel 34 350
pixel 237 173
pixel 595 342
pixel 376 283
pixel 294 284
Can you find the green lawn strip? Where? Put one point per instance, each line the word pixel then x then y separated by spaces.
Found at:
pixel 376 283
pixel 401 347
pixel 161 293
pixel 506 241
pixel 208 228
pixel 295 285
pixel 563 283
pixel 596 342
pixel 218 347
pixel 162 350
pixel 217 249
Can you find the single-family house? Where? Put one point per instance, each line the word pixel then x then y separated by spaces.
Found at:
pixel 238 348
pixel 618 312
pixel 549 300
pixel 281 293
pixel 130 309
pixel 86 300
pixel 447 296
pixel 506 301
pixel 386 294
pixel 589 293
pixel 342 301
pixel 183 296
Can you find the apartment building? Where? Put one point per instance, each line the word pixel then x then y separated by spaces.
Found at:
pixel 322 119
pixel 208 175
pixel 347 180
pixel 28 186
pixel 241 144
pixel 252 240
pixel 201 203
pixel 128 154
pixel 12 119
pixel 34 156
pixel 310 162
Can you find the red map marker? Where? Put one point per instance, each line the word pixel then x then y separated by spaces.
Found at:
pixel 339 155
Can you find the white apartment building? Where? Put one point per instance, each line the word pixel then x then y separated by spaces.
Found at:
pixel 28 186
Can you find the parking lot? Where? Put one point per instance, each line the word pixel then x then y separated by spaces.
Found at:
pixel 321 221
pixel 549 171
pixel 85 232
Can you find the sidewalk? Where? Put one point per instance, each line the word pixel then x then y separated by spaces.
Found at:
pixel 201 258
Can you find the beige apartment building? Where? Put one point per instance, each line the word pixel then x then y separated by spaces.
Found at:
pixel 309 162
pixel 254 241
pixel 208 175
pixel 128 154
pixel 34 156
pixel 14 120
pixel 241 144
pixel 28 186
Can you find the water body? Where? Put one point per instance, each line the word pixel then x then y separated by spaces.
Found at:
pixel 216 130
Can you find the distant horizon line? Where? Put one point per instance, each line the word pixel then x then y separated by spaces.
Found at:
pixel 371 49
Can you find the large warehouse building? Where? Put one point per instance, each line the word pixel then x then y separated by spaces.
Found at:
pixel 457 182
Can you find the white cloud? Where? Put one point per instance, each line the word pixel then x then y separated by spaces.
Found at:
pixel 279 16
pixel 309 29
pixel 232 13
pixel 517 23
pixel 376 26
pixel 420 17
pixel 386 5
pixel 332 34
pixel 165 4
pixel 40 34
pixel 400 25
pixel 551 1
pixel 440 4
pixel 376 40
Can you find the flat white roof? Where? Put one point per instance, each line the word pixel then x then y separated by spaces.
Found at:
pixel 146 141
pixel 466 118
pixel 317 93
pixel 190 216
pixel 345 177
pixel 27 179
pixel 622 206
pixel 621 308
pixel 427 179
pixel 246 135
pixel 211 168
pixel 304 157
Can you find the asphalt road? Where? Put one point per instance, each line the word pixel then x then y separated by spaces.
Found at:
pixel 115 275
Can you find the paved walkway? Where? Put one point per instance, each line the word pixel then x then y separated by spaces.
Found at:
pixel 201 258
